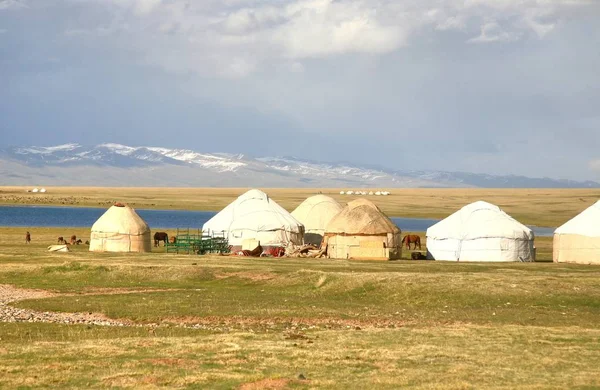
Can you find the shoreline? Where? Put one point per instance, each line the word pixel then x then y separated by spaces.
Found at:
pixel 534 207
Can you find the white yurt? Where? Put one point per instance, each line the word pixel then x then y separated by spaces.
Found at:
pixel 120 229
pixel 256 216
pixel 315 213
pixel 578 240
pixel 362 231
pixel 480 231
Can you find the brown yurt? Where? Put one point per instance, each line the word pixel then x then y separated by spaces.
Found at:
pixel 361 231
pixel 120 229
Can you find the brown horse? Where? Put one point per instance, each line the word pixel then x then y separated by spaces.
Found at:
pixel 73 239
pixel 412 239
pixel 61 240
pixel 160 236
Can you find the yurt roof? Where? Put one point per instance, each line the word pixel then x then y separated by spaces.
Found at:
pixel 587 223
pixel 121 219
pixel 317 211
pixel 254 210
pixel 361 217
pixel 479 220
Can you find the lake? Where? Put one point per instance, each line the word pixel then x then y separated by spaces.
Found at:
pixel 47 216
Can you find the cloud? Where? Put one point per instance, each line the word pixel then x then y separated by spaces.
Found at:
pixel 12 4
pixel 238 37
pixel 492 32
pixel 594 165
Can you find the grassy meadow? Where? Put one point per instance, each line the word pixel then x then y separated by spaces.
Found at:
pixel 228 322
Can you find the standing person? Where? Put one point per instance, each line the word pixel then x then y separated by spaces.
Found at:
pixel 27 238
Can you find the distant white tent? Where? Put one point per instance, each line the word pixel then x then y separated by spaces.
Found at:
pixel 315 213
pixel 349 192
pixel 256 216
pixel 342 192
pixel 578 240
pixel 35 190
pixel 480 231
pixel 378 193
pixel 58 248
pixel 43 190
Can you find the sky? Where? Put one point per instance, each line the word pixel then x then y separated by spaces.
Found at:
pixel 483 86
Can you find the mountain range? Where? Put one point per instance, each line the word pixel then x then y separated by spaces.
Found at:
pixel 121 165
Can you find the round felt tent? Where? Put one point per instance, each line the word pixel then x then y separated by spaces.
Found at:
pixel 480 231
pixel 315 213
pixel 362 231
pixel 256 216
pixel 120 229
pixel 578 240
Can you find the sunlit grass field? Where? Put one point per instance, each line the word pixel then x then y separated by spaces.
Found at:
pixel 229 322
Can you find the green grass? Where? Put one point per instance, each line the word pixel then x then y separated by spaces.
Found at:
pixel 413 357
pixel 342 324
pixel 400 293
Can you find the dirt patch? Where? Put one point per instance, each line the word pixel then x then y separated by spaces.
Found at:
pixel 8 313
pixel 13 294
pixel 253 276
pixel 295 323
pixel 266 384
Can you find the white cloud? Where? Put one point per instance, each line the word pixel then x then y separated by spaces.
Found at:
pixel 233 38
pixel 12 4
pixel 492 32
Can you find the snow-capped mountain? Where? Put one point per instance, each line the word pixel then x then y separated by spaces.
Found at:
pixel 121 165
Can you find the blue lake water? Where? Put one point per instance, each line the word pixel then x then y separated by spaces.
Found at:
pixel 31 216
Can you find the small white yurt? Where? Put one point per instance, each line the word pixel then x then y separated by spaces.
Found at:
pixel 35 190
pixel 578 240
pixel 315 213
pixel 120 229
pixel 256 216
pixel 480 231
pixel 43 190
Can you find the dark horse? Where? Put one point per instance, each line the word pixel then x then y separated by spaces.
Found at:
pixel 412 239
pixel 160 236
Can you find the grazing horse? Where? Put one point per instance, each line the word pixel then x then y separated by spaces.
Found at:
pixel 27 238
pixel 173 240
pixel 79 242
pixel 73 239
pixel 412 239
pixel 61 240
pixel 160 236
